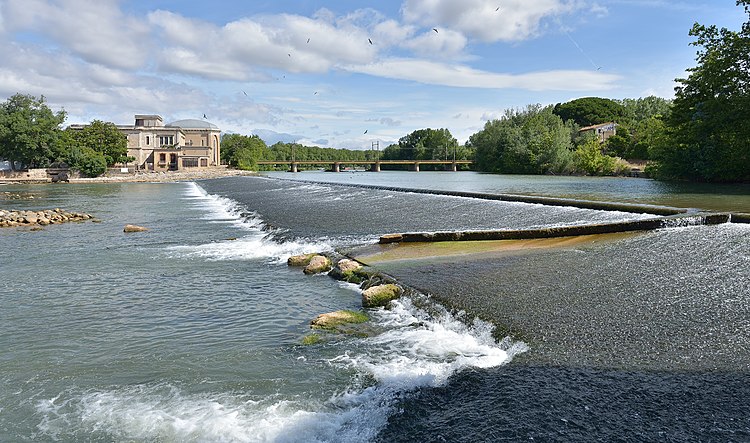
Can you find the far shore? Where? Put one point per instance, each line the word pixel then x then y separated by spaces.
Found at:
pixel 140 177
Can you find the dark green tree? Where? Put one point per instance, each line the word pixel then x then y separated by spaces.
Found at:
pixel 104 137
pixel 242 151
pixel 528 141
pixel 29 131
pixel 589 111
pixel 709 126
pixel 426 144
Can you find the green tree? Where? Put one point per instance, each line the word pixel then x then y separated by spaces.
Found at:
pixel 589 111
pixel 709 126
pixel 28 131
pixel 528 141
pixel 87 161
pixel 242 151
pixel 104 137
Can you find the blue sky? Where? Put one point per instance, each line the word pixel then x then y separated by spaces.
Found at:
pixel 306 71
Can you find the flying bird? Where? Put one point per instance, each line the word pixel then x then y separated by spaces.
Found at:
pixel 497 9
pixel 365 131
pixel 308 40
pixel 316 93
pixel 289 55
pixel 435 29
pixel 244 93
pixel 369 40
pixel 204 116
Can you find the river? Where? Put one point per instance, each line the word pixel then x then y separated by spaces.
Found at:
pixel 192 330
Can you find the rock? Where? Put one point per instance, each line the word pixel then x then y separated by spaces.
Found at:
pixel 134 228
pixel 346 270
pixel 391 238
pixel 380 295
pixel 300 260
pixel 338 321
pixel 318 264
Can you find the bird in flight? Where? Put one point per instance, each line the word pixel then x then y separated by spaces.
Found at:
pixel 308 40
pixel 365 131
pixel 244 93
pixel 316 93
pixel 369 40
pixel 435 29
pixel 497 9
pixel 204 116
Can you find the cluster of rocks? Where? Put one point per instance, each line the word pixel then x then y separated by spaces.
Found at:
pixel 377 291
pixel 16 218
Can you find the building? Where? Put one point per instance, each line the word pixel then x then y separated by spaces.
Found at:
pixel 182 144
pixel 603 130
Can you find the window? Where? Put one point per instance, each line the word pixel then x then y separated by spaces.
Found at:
pixel 148 140
pixel 189 162
pixel 166 140
pixel 162 158
pixel 204 162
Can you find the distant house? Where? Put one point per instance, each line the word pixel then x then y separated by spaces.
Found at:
pixel 182 144
pixel 603 130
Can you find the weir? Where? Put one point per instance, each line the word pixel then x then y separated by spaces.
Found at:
pixel 561 231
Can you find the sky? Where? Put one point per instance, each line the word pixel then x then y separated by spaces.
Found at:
pixel 344 74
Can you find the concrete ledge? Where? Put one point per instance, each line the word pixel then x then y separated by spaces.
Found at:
pixel 738 217
pixel 561 231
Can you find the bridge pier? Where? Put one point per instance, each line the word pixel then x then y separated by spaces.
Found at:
pixel 376 167
pixel 415 168
pixel 454 167
pixel 294 167
pixel 337 167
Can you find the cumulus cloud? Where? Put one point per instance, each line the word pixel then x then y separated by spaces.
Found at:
pixel 98 32
pixel 461 76
pixel 480 19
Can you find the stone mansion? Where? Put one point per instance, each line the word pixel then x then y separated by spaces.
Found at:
pixel 182 144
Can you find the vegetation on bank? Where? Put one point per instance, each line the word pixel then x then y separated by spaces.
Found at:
pixel 701 135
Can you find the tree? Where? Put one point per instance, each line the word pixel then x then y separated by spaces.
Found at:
pixel 103 137
pixel 528 141
pixel 590 111
pixel 28 131
pixel 709 126
pixel 242 151
pixel 89 162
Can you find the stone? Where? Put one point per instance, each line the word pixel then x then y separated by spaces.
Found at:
pixel 300 260
pixel 318 264
pixel 381 295
pixel 338 320
pixel 346 270
pixel 134 228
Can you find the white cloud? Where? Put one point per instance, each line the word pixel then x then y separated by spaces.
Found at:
pixel 465 77
pixel 480 19
pixel 97 31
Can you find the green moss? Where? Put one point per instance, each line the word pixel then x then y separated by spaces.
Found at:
pixel 334 320
pixel 381 295
pixel 311 339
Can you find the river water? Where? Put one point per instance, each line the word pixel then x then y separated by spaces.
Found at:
pixel 192 330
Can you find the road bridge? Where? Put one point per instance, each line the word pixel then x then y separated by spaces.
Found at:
pixel 373 165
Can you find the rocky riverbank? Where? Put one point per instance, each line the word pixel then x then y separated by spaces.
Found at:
pixel 16 218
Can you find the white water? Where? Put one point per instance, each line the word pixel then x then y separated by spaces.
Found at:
pixel 416 349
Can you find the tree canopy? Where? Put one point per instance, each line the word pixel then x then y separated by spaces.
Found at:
pixel 709 127
pixel 589 111
pixel 29 131
pixel 529 141
pixel 242 151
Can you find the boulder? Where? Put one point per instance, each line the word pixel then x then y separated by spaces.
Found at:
pixel 318 264
pixel 134 228
pixel 347 270
pixel 381 295
pixel 300 260
pixel 338 320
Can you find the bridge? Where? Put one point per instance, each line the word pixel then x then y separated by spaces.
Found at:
pixel 374 165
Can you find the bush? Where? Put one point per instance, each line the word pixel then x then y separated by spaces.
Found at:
pixel 589 159
pixel 88 162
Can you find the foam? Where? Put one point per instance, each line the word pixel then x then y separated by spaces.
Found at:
pixel 418 349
